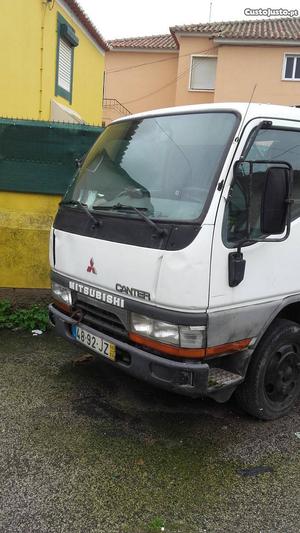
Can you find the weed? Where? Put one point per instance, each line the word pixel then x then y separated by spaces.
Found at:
pixel 34 317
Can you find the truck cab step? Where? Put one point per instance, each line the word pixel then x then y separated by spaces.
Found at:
pixel 218 377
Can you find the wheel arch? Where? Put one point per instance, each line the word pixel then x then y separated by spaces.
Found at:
pixel 291 312
pixel 288 309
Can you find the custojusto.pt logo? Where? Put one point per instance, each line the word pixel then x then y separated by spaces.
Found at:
pixel 270 12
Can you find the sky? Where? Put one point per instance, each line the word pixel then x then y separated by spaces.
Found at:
pixel 132 18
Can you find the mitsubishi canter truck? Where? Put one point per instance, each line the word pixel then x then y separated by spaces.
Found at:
pixel 175 253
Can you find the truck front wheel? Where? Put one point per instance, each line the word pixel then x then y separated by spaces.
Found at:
pixel 272 383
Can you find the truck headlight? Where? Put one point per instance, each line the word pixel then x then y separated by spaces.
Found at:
pixel 181 336
pixel 63 294
pixel 161 331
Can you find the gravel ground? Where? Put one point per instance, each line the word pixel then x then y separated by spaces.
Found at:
pixel 85 448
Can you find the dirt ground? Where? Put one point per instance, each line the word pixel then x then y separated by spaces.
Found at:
pixel 85 448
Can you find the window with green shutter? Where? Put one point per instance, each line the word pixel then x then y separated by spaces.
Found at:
pixel 66 42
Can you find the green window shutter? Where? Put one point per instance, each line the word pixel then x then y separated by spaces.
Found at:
pixel 65 66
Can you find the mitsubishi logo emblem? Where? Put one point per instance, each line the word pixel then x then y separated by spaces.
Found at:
pixel 91 267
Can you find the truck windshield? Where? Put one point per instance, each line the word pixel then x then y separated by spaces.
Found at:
pixel 164 165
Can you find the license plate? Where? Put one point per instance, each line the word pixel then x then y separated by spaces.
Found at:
pixel 94 342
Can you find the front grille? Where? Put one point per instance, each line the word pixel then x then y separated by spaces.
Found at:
pixel 100 319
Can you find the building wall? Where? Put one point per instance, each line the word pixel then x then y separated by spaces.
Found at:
pixel 241 67
pixel 188 47
pixel 21 24
pixel 25 221
pixel 146 87
pixel 40 176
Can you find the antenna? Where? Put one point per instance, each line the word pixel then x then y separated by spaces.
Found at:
pixel 210 10
pixel 251 98
pixel 247 109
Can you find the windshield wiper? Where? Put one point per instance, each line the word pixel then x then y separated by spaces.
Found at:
pixel 138 211
pixel 84 207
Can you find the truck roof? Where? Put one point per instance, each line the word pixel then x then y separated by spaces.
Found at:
pixel 253 110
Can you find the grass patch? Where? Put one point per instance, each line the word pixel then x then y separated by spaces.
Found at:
pixel 33 317
pixel 156 525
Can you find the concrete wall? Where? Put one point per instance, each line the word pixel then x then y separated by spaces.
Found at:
pixel 241 67
pixel 148 86
pixel 21 25
pixel 25 221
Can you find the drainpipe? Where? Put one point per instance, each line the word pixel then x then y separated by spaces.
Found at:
pixel 45 4
pixel 44 8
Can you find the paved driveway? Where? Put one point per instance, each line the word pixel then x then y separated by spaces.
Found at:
pixel 89 449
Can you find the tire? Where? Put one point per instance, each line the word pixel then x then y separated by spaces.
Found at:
pixel 272 383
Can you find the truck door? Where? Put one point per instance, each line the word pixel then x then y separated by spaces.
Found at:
pixel 271 268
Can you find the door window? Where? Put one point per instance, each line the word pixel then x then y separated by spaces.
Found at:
pixel 244 207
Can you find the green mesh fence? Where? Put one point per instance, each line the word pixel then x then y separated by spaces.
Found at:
pixel 40 157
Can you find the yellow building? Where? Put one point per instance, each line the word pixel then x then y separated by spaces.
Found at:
pixel 52 62
pixel 52 68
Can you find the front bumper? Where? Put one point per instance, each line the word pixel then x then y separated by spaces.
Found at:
pixel 183 377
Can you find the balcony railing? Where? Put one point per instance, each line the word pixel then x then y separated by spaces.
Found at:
pixel 112 103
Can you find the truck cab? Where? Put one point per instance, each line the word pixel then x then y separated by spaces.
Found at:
pixel 174 254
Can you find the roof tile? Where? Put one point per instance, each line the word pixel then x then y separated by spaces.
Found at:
pixel 284 28
pixel 153 42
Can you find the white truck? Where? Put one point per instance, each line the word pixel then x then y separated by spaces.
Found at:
pixel 175 253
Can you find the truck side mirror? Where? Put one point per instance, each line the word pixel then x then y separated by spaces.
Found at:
pixel 259 206
pixel 274 202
